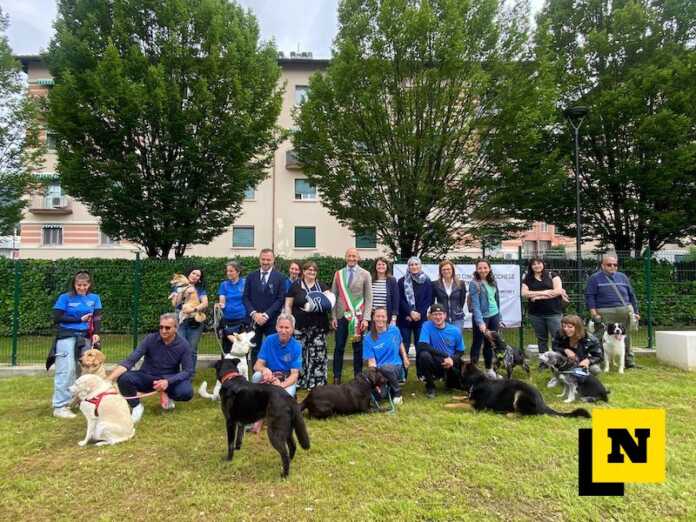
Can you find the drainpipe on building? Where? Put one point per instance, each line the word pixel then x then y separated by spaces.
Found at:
pixel 273 204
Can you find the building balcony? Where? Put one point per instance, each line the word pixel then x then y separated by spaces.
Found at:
pixel 50 205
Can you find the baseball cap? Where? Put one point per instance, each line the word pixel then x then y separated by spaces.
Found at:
pixel 437 307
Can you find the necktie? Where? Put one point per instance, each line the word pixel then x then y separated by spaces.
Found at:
pixel 350 276
pixel 264 278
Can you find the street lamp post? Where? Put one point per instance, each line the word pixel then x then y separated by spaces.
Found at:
pixel 575 117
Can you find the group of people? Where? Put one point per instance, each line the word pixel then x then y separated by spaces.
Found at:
pixel 292 316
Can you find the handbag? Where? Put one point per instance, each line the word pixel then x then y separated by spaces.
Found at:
pixel 632 322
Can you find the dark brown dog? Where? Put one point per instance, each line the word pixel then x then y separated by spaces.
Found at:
pixel 343 399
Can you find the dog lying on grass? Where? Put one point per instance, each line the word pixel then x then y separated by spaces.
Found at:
pixel 241 344
pixel 506 396
pixel 190 300
pixel 245 403
pixel 584 384
pixel 106 411
pixel 506 356
pixel 344 399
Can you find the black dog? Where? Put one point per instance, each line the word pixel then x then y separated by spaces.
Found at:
pixel 584 384
pixel 506 356
pixel 508 396
pixel 335 399
pixel 245 403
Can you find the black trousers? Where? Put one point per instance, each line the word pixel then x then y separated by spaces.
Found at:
pixel 431 365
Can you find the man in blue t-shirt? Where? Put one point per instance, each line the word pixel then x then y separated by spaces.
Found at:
pixel 280 359
pixel 440 347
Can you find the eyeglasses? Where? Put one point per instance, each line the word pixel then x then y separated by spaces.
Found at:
pixel 162 327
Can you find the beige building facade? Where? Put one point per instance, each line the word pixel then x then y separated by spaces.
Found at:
pixel 284 212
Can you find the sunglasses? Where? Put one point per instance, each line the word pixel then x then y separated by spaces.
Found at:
pixel 611 264
pixel 166 327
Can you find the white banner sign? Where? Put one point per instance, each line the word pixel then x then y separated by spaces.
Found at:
pixel 507 277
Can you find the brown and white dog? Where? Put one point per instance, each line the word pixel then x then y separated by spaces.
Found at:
pixel 92 362
pixel 106 411
pixel 190 298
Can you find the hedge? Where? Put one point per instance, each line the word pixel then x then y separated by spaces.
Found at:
pixel 116 281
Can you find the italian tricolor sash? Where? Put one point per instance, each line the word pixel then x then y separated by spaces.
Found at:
pixel 354 306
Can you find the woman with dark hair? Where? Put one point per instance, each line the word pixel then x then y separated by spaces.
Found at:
pixel 294 274
pixel 544 291
pixel 230 293
pixel 385 289
pixel 415 297
pixel 77 313
pixel 190 329
pixel 485 306
pixel 384 350
pixel 311 313
pixel 450 292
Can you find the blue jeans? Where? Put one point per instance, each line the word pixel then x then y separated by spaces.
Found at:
pixel 192 334
pixel 406 333
pixel 258 377
pixel 134 381
pixel 479 339
pixel 545 326
pixel 341 339
pixel 66 371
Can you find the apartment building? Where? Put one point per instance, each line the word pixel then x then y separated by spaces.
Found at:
pixel 284 212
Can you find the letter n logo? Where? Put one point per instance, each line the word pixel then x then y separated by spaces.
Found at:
pixel 637 452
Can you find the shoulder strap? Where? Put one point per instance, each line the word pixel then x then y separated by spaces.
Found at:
pixel 616 289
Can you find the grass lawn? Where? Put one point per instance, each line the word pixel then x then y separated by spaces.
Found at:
pixel 424 463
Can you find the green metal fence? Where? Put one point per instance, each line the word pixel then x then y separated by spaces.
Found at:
pixel 134 294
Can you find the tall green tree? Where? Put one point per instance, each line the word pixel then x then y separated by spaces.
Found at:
pixel 633 64
pixel 400 133
pixel 20 149
pixel 166 113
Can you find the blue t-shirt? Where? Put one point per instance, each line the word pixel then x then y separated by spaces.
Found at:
pixel 233 292
pixel 281 358
pixel 386 349
pixel 447 340
pixel 75 306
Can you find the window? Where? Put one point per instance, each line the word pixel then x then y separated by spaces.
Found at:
pixel 51 140
pixel 301 93
pixel 52 235
pixel 305 237
pixel 529 248
pixel 249 194
pixel 243 237
pixel 291 161
pixel 544 246
pixel 304 190
pixel 54 196
pixel 107 241
pixel 543 227
pixel 367 240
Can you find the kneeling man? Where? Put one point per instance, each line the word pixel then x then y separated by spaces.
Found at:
pixel 440 347
pixel 168 368
pixel 280 358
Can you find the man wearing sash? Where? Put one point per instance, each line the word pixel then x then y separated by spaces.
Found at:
pixel 352 286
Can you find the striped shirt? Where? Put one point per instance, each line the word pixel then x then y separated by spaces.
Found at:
pixel 379 293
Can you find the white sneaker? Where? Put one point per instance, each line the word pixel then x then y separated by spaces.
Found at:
pixel 63 413
pixel 398 400
pixel 552 382
pixel 137 413
pixel 491 374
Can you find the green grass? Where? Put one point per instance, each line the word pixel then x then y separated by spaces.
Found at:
pixel 424 463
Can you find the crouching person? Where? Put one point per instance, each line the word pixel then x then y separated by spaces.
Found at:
pixel 168 368
pixel 581 349
pixel 440 347
pixel 384 349
pixel 280 359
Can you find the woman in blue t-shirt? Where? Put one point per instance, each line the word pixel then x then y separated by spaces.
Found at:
pixel 190 329
pixel 230 293
pixel 485 307
pixel 77 313
pixel 384 349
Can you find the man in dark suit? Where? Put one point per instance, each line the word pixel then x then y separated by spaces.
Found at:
pixel 264 295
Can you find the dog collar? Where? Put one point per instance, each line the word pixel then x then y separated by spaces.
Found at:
pixel 96 400
pixel 229 375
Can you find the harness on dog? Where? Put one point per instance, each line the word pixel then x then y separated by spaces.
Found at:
pixel 96 400
pixel 229 375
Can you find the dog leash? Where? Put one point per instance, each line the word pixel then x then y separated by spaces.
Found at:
pixel 392 409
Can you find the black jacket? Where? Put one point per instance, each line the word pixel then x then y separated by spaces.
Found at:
pixel 588 347
pixel 455 302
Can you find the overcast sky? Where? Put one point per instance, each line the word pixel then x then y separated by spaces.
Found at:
pixel 307 25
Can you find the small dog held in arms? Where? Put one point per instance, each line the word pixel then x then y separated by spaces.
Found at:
pixel 92 362
pixel 106 411
pixel 245 403
pixel 506 356
pixel 343 399
pixel 241 344
pixel 614 344
pixel 190 300
pixel 576 382
pixel 505 396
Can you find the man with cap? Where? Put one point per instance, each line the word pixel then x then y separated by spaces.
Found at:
pixel 440 347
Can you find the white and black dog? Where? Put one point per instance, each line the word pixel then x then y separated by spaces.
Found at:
pixel 576 381
pixel 241 344
pixel 614 344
